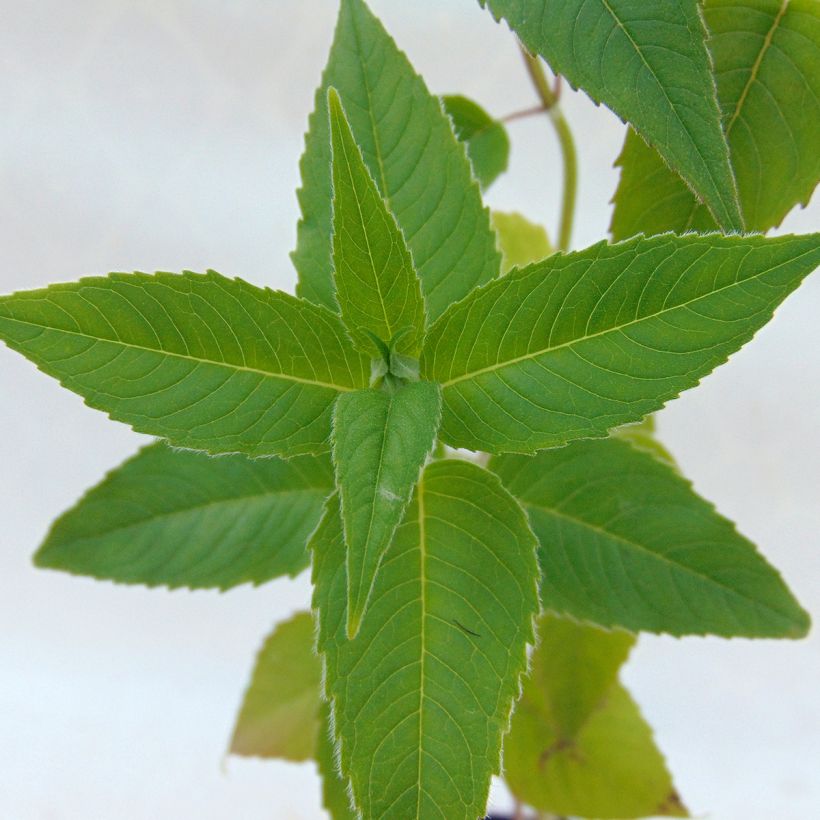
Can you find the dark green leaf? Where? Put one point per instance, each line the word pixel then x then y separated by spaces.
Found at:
pixel 181 518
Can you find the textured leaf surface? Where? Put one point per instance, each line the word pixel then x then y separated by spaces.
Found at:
pixel 488 145
pixel 280 711
pixel 206 362
pixel 410 149
pixel 519 240
pixel 625 541
pixel 423 694
pixel 376 287
pixel 579 343
pixel 767 65
pixel 578 744
pixel 648 62
pixel 335 797
pixel 181 518
pixel 380 443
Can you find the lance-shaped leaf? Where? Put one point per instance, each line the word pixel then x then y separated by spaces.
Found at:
pixel 648 62
pixel 625 541
pixel 181 518
pixel 519 240
pixel 488 145
pixel 410 149
pixel 380 443
pixel 335 796
pixel 377 289
pixel 569 347
pixel 279 716
pixel 767 65
pixel 578 744
pixel 206 362
pixel 422 695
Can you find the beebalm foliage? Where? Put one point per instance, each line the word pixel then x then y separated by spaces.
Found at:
pixel 420 323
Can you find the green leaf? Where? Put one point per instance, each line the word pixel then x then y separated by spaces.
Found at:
pixel 579 343
pixel 648 62
pixel 377 289
pixel 410 149
pixel 488 145
pixel 578 743
pixel 767 66
pixel 519 240
pixel 625 541
pixel 280 712
pixel 422 696
pixel 206 362
pixel 335 797
pixel 181 518
pixel 380 443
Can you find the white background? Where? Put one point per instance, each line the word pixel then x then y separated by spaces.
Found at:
pixel 165 135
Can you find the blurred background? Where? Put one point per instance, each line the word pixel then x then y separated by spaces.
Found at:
pixel 166 135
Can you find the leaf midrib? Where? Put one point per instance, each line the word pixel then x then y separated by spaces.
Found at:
pixel 660 557
pixel 185 357
pixel 614 329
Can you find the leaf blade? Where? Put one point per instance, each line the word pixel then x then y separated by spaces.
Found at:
pixel 279 716
pixel 428 748
pixel 626 542
pixel 603 762
pixel 488 145
pixel 266 366
pixel 767 68
pixel 409 147
pixel 580 343
pixel 376 286
pixel 181 519
pixel 650 65
pixel 380 444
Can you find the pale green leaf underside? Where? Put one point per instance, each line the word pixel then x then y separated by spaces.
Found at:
pixel 410 149
pixel 602 763
pixel 488 145
pixel 183 519
pixel 279 716
pixel 376 287
pixel 519 240
pixel 625 541
pixel 579 343
pixel 767 66
pixel 422 695
pixel 380 443
pixel 206 362
pixel 647 62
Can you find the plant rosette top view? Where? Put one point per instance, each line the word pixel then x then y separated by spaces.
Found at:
pixel 450 425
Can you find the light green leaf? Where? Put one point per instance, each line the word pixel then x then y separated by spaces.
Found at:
pixel 206 362
pixel 423 694
pixel 578 743
pixel 625 541
pixel 648 62
pixel 410 149
pixel 579 343
pixel 488 145
pixel 181 518
pixel 642 436
pixel 767 65
pixel 335 797
pixel 376 287
pixel 519 240
pixel 280 712
pixel 380 443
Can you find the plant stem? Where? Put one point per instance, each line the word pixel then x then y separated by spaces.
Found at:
pixel 549 101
